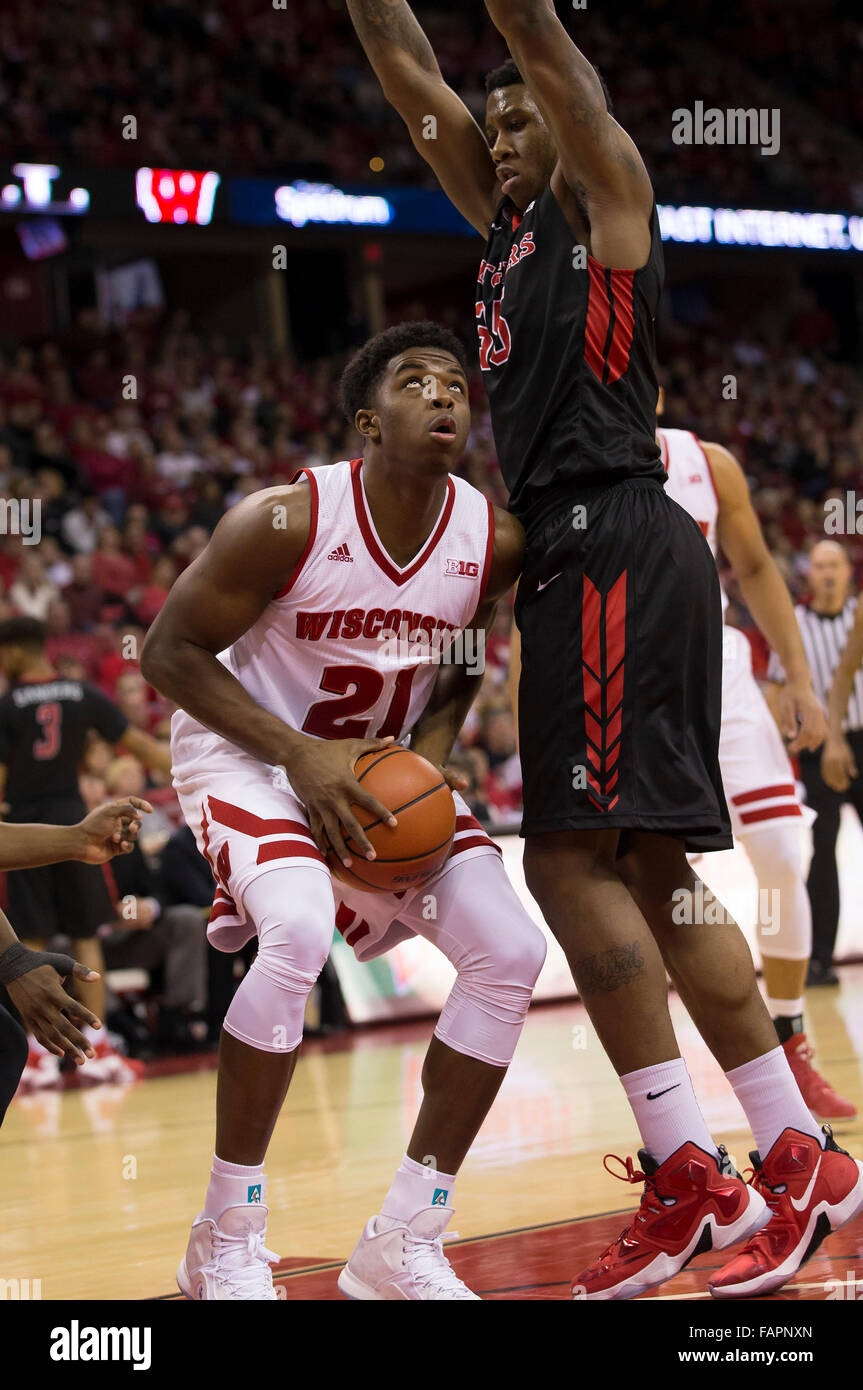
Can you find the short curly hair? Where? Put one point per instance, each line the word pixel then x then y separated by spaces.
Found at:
pixel 365 369
pixel 508 75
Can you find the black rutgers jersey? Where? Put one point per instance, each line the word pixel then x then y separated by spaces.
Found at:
pixel 567 351
pixel 43 734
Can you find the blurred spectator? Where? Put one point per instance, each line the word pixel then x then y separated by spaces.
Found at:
pixel 32 593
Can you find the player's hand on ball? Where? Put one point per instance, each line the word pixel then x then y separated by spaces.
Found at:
pixel 802 717
pixel 321 773
pixel 837 764
pixel 47 1010
pixel 112 829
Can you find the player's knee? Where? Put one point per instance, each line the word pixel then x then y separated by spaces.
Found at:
pixel 547 866
pixel 519 953
pixel 295 931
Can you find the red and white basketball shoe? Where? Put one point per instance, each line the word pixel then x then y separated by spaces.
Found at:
pixel 108 1066
pixel 818 1094
pixel 693 1202
pixel 41 1073
pixel 810 1191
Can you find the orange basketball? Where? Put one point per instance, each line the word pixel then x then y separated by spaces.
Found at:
pixel 422 803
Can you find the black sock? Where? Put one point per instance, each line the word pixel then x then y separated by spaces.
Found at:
pixel 787 1027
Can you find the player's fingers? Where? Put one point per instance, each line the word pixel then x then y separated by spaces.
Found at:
pixel 335 837
pixel 73 1043
pixel 381 812
pixel 355 830
pixel 140 804
pixel 316 828
pixel 46 1036
pixel 76 1010
pixel 371 745
pixel 83 972
pixel 456 780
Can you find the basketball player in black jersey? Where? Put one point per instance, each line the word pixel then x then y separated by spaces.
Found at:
pixel 45 722
pixel 621 629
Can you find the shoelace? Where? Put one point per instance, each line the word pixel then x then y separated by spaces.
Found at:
pixel 429 1265
pixel 632 1174
pixel 248 1274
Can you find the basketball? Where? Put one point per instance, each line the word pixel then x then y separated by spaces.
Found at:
pixel 421 801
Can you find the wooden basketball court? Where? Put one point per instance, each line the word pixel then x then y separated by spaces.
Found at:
pixel 100 1185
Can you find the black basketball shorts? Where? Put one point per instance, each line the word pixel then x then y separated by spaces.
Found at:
pixel 621 684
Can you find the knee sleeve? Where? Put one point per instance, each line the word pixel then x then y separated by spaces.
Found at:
pixel 294 916
pixel 498 952
pixel 784 911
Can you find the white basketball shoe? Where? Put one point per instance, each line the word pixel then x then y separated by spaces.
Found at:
pixel 228 1259
pixel 397 1259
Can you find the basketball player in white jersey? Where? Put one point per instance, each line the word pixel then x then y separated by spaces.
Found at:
pixel 270 643
pixel 762 796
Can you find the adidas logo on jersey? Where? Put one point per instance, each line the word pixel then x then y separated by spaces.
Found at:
pixel 341 552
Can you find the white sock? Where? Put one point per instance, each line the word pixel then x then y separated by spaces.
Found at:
pixel 771 1098
pixel 233 1185
pixel 672 1117
pixel 416 1187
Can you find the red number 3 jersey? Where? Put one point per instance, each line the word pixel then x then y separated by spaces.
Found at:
pixel 346 649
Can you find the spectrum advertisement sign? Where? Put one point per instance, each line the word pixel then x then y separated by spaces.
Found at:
pixel 185 198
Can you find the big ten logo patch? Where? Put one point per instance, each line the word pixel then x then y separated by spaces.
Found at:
pixel 469 569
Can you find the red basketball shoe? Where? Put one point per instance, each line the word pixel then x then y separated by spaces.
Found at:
pixel 817 1093
pixel 692 1202
pixel 811 1191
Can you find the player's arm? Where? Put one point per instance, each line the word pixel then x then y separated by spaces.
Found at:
pixel 598 162
pixel 104 833
pixel 457 686
pixel 452 143
pixel 800 716
pixel 250 557
pixel 33 980
pixel 837 760
pixel 152 752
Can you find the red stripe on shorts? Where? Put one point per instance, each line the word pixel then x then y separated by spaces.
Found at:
pixel 770 813
pixel 765 793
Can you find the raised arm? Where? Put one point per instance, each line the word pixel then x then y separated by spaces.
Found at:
pixel 440 125
pixel 598 163
pixel 742 541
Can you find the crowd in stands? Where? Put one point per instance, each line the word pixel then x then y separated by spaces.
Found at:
pixel 251 88
pixel 129 490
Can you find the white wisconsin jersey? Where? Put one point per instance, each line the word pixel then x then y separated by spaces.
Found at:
pixel 690 483
pixel 319 656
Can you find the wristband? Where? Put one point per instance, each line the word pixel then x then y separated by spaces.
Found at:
pixel 18 960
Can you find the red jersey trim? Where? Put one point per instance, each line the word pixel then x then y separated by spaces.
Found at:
pixel 378 554
pixel 313 530
pixel 703 453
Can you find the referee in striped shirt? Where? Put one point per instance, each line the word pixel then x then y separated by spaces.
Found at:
pixel 831 626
